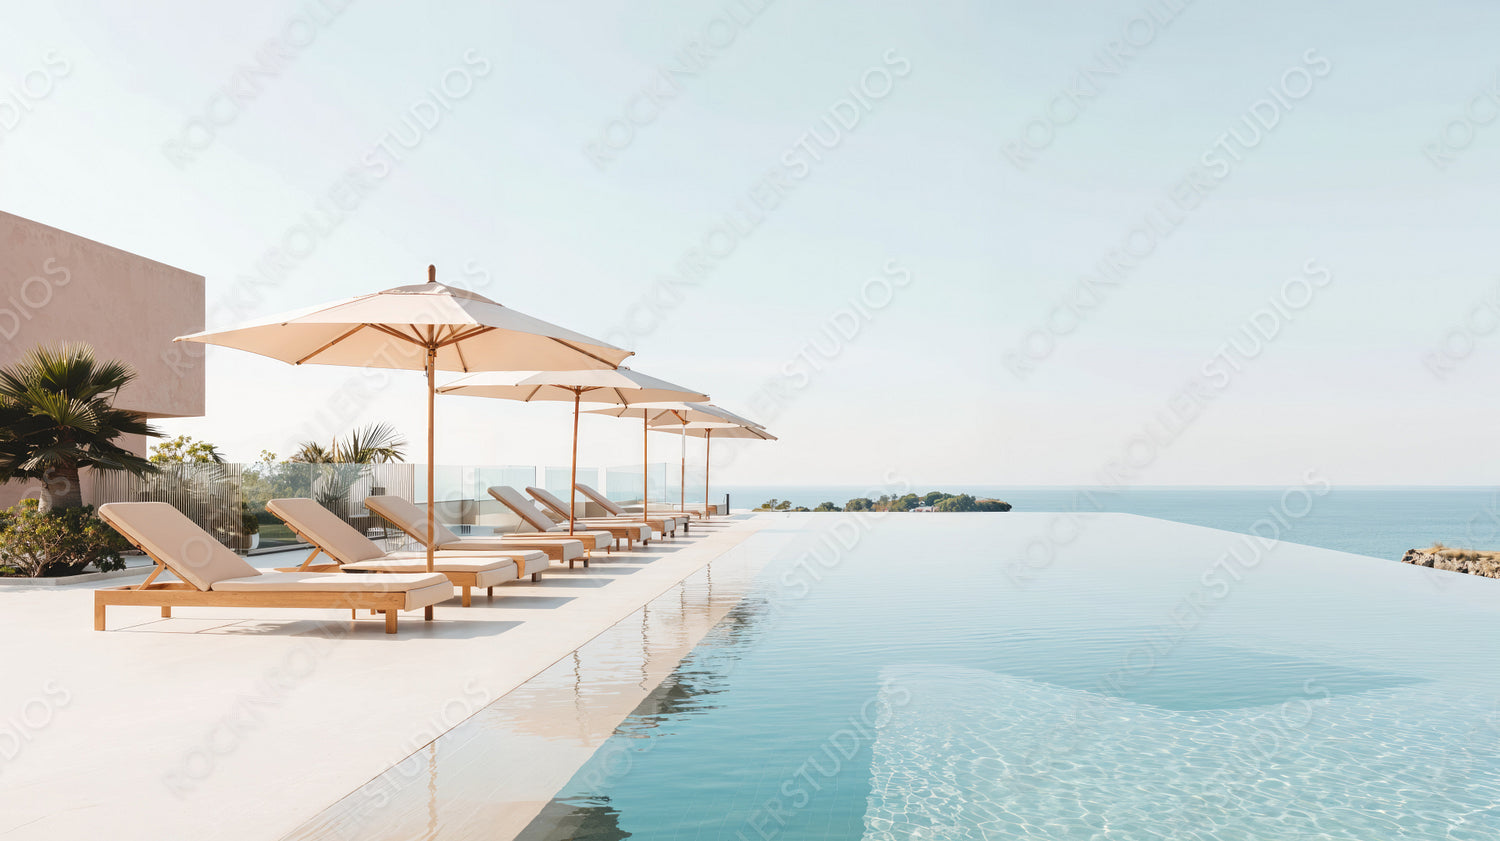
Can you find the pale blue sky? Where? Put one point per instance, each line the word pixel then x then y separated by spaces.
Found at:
pixel 922 392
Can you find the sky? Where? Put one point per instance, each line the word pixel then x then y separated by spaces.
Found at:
pixel 999 243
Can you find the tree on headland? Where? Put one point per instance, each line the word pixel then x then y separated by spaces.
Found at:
pixel 962 502
pixel 826 506
pixel 57 416
pixel 775 504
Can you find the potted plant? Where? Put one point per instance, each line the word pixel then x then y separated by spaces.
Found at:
pixel 250 526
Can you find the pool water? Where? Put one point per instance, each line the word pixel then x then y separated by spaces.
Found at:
pixel 892 678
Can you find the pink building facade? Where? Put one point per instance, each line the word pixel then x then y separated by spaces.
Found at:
pixel 57 287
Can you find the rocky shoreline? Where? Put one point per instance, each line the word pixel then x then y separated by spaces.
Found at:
pixel 1467 562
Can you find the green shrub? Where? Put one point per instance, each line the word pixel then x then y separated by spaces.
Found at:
pixel 63 541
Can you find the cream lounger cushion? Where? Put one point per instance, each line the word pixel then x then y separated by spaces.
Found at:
pixel 352 549
pixel 488 571
pixel 556 507
pixel 420 590
pixel 528 560
pixel 168 535
pixel 327 529
pixel 412 520
pixel 528 512
pixel 609 505
pixel 571 548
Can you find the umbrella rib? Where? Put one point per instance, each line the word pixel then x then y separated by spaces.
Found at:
pixel 458 337
pixel 391 331
pixel 574 347
pixel 463 364
pixel 346 335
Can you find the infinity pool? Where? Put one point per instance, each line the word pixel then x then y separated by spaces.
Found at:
pixel 903 678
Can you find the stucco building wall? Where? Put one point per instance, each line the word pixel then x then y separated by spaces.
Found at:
pixel 58 287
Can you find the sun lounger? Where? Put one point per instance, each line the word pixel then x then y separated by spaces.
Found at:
pixel 350 550
pixel 535 519
pixel 210 575
pixel 413 520
pixel 664 523
pixel 630 528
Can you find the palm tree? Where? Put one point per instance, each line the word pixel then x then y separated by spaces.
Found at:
pixel 345 460
pixel 373 444
pixel 57 416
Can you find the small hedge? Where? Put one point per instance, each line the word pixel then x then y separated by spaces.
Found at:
pixel 67 541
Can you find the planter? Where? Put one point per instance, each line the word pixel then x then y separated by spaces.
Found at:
pixel 254 542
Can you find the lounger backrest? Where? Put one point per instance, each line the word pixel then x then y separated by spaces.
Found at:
pixel 168 536
pixel 605 502
pixel 521 506
pixel 556 508
pixel 410 519
pixel 325 530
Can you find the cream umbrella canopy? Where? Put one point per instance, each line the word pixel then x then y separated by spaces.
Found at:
pixel 621 386
pixel 681 414
pixel 708 432
pixel 425 327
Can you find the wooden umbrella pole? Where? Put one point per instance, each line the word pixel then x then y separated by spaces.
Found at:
pixel 431 494
pixel 573 479
pixel 682 476
pixel 645 465
pixel 708 448
pixel 431 399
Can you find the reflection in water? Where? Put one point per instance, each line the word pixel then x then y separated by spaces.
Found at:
pixel 487 777
pixel 580 818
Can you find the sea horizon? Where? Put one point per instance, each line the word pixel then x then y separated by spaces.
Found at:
pixel 1381 521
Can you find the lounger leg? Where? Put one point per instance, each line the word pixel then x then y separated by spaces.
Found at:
pixel 98 616
pixel 466 596
pixel 390 621
pixel 166 612
pixel 426 613
pixel 536 576
pixel 490 592
pixel 353 613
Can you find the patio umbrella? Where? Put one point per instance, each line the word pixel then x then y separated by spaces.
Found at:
pixel 427 327
pixel 621 386
pixel 681 414
pixel 708 432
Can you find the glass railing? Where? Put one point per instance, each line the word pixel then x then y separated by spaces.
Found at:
pixel 229 500
pixel 623 484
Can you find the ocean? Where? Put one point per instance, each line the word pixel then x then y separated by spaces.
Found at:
pixel 1381 522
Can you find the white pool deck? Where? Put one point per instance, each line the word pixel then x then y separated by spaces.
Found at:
pixel 243 724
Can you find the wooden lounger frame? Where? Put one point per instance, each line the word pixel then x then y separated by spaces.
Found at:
pixel 170 594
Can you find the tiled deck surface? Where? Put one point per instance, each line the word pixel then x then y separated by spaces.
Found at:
pixel 231 724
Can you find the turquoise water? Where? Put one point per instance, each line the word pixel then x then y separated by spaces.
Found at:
pixel 1382 522
pixel 890 679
